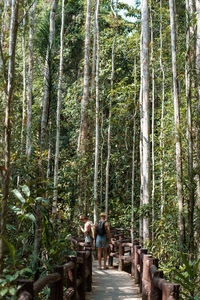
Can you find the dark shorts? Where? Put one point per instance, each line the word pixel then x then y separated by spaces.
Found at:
pixel 101 241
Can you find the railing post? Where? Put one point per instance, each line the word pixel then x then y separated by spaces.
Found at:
pixel 142 252
pixel 89 264
pixel 82 268
pixel 56 288
pixel 26 289
pixel 121 253
pixel 170 291
pixel 145 277
pixel 111 250
pixel 133 259
pixel 72 276
pixel 155 276
pixel 136 263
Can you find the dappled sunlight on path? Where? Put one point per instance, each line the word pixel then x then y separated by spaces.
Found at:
pixel 112 285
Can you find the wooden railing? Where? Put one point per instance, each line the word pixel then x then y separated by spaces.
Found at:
pixel 144 269
pixel 75 276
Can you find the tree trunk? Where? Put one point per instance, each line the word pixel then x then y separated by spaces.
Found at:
pixel 198 122
pixel 162 154
pixel 152 122
pixel 45 109
pixel 8 113
pixel 82 140
pixel 102 146
pixel 49 55
pixel 177 124
pixel 94 53
pixel 24 85
pixel 141 145
pixel 97 117
pixel 188 77
pixel 83 132
pixel 30 81
pixel 133 156
pixel 109 127
pixel 145 108
pixel 55 198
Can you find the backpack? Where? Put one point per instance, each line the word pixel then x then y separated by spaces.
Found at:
pixel 101 230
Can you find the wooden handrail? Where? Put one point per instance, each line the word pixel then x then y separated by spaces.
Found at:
pixel 78 273
pixel 42 282
pixel 144 268
pixel 77 283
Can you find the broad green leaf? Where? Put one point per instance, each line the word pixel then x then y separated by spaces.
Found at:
pixel 22 271
pixel 19 196
pixel 26 190
pixel 39 199
pixel 17 210
pixel 12 291
pixel 30 217
pixel 3 292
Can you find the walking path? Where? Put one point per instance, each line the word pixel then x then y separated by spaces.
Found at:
pixel 112 285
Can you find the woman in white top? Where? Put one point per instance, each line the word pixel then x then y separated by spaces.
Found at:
pixel 87 228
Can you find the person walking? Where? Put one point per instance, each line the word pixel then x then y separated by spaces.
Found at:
pixel 86 229
pixel 102 239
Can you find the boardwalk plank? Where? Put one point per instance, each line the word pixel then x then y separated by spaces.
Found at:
pixel 112 285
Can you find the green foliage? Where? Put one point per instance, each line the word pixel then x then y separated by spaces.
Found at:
pixel 30 191
pixel 187 276
pixel 8 281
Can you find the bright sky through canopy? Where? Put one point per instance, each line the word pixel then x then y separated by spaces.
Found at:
pixel 131 3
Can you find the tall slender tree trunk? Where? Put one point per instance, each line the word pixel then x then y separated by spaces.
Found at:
pixel 24 85
pixel 94 54
pixel 145 108
pixel 177 123
pixel 49 55
pixel 198 122
pixel 97 118
pixel 162 154
pixel 141 144
pixel 188 76
pixel 102 146
pixel 110 112
pixel 8 114
pixel 133 155
pixel 59 98
pixel 109 128
pixel 30 81
pixel 82 140
pixel 44 118
pixel 152 121
pixel 83 132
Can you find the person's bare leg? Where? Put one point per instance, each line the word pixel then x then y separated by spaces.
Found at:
pixel 99 256
pixel 105 257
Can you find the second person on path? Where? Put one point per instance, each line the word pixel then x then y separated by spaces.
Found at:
pixel 102 239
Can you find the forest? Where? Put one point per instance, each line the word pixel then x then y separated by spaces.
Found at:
pixel 99 111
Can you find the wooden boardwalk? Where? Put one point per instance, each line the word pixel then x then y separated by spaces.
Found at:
pixel 112 284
